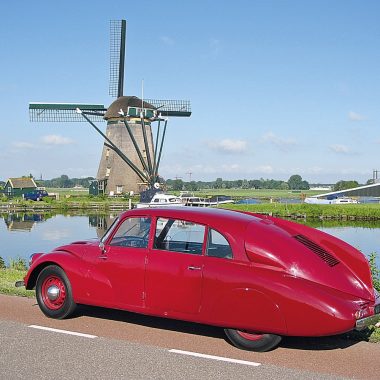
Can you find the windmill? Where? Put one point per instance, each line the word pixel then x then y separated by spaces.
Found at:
pixel 131 156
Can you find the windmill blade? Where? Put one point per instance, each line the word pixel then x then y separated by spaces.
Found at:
pixel 65 112
pixel 117 57
pixel 178 108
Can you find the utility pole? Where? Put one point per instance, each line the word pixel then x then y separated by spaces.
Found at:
pixel 189 173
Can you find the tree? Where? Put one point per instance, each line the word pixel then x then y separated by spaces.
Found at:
pixel 218 183
pixel 177 185
pixel 344 185
pixel 191 186
pixel 295 182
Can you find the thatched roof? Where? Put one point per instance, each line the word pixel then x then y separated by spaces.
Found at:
pixel 123 103
pixel 22 183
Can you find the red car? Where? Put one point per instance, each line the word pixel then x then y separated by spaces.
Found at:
pixel 258 277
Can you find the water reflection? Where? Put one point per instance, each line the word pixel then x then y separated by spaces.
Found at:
pixel 22 234
pixel 101 223
pixel 22 222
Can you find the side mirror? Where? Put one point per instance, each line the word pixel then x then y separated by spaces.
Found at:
pixel 102 247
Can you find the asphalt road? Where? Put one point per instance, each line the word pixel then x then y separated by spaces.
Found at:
pixel 126 345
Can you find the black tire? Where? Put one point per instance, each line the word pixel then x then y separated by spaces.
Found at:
pixel 54 294
pixel 251 341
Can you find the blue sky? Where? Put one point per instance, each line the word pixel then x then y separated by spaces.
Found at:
pixel 276 87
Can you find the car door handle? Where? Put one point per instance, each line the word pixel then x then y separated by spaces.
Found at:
pixel 194 268
pixel 103 257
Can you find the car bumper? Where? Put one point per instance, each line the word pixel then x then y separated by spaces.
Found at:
pixel 371 320
pixel 18 284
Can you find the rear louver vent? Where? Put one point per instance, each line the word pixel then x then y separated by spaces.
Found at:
pixel 327 257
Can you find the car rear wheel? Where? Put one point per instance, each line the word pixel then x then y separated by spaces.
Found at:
pixel 54 294
pixel 251 341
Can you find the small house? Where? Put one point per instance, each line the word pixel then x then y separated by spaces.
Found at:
pixel 97 187
pixel 17 187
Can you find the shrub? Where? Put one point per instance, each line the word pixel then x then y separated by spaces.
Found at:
pixel 2 263
pixel 375 271
pixel 18 264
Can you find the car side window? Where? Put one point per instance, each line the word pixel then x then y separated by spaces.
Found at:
pixel 133 232
pixel 217 245
pixel 179 236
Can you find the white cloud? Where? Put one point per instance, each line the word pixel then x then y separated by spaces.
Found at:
pixel 54 235
pixel 340 149
pixel 23 145
pixel 284 144
pixel 354 116
pixel 230 168
pixel 56 140
pixel 215 46
pixel 167 40
pixel 264 169
pixel 228 146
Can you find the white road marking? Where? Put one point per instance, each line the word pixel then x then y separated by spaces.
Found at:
pixel 63 331
pixel 220 358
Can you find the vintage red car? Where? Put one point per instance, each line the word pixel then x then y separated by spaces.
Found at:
pixel 256 276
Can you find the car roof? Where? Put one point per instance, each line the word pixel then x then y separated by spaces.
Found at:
pixel 203 215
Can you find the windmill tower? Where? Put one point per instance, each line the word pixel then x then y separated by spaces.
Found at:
pixel 131 156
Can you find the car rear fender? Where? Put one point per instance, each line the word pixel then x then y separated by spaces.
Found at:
pixel 249 309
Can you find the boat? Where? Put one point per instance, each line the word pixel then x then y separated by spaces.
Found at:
pixel 162 200
pixel 334 201
pixel 190 200
pixel 344 201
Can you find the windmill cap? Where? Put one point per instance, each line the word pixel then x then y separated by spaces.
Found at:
pixel 123 103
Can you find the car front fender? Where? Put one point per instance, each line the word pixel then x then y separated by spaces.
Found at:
pixel 68 261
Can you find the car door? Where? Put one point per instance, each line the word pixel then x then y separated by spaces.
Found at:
pixel 122 261
pixel 174 267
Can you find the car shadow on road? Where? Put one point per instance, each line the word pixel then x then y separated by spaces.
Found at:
pixel 295 343
pixel 149 321
pixel 325 343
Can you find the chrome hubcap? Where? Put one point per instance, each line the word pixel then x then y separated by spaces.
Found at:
pixel 53 292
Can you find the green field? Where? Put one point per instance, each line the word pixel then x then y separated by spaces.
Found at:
pixel 256 193
pixel 70 191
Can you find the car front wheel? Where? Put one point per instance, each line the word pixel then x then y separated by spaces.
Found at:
pixel 252 341
pixel 53 292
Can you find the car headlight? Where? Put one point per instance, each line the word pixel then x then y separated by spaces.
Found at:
pixel 31 258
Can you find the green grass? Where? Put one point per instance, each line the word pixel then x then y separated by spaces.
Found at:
pixel 8 277
pixel 70 191
pixel 359 211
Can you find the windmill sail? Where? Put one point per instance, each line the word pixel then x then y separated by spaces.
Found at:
pixel 176 108
pixel 65 112
pixel 117 57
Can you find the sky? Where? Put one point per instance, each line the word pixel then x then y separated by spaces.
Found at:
pixel 277 87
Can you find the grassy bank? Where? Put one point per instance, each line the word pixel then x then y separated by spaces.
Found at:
pixel 8 277
pixel 69 202
pixel 303 210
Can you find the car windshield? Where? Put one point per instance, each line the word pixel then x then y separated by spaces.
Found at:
pixel 107 234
